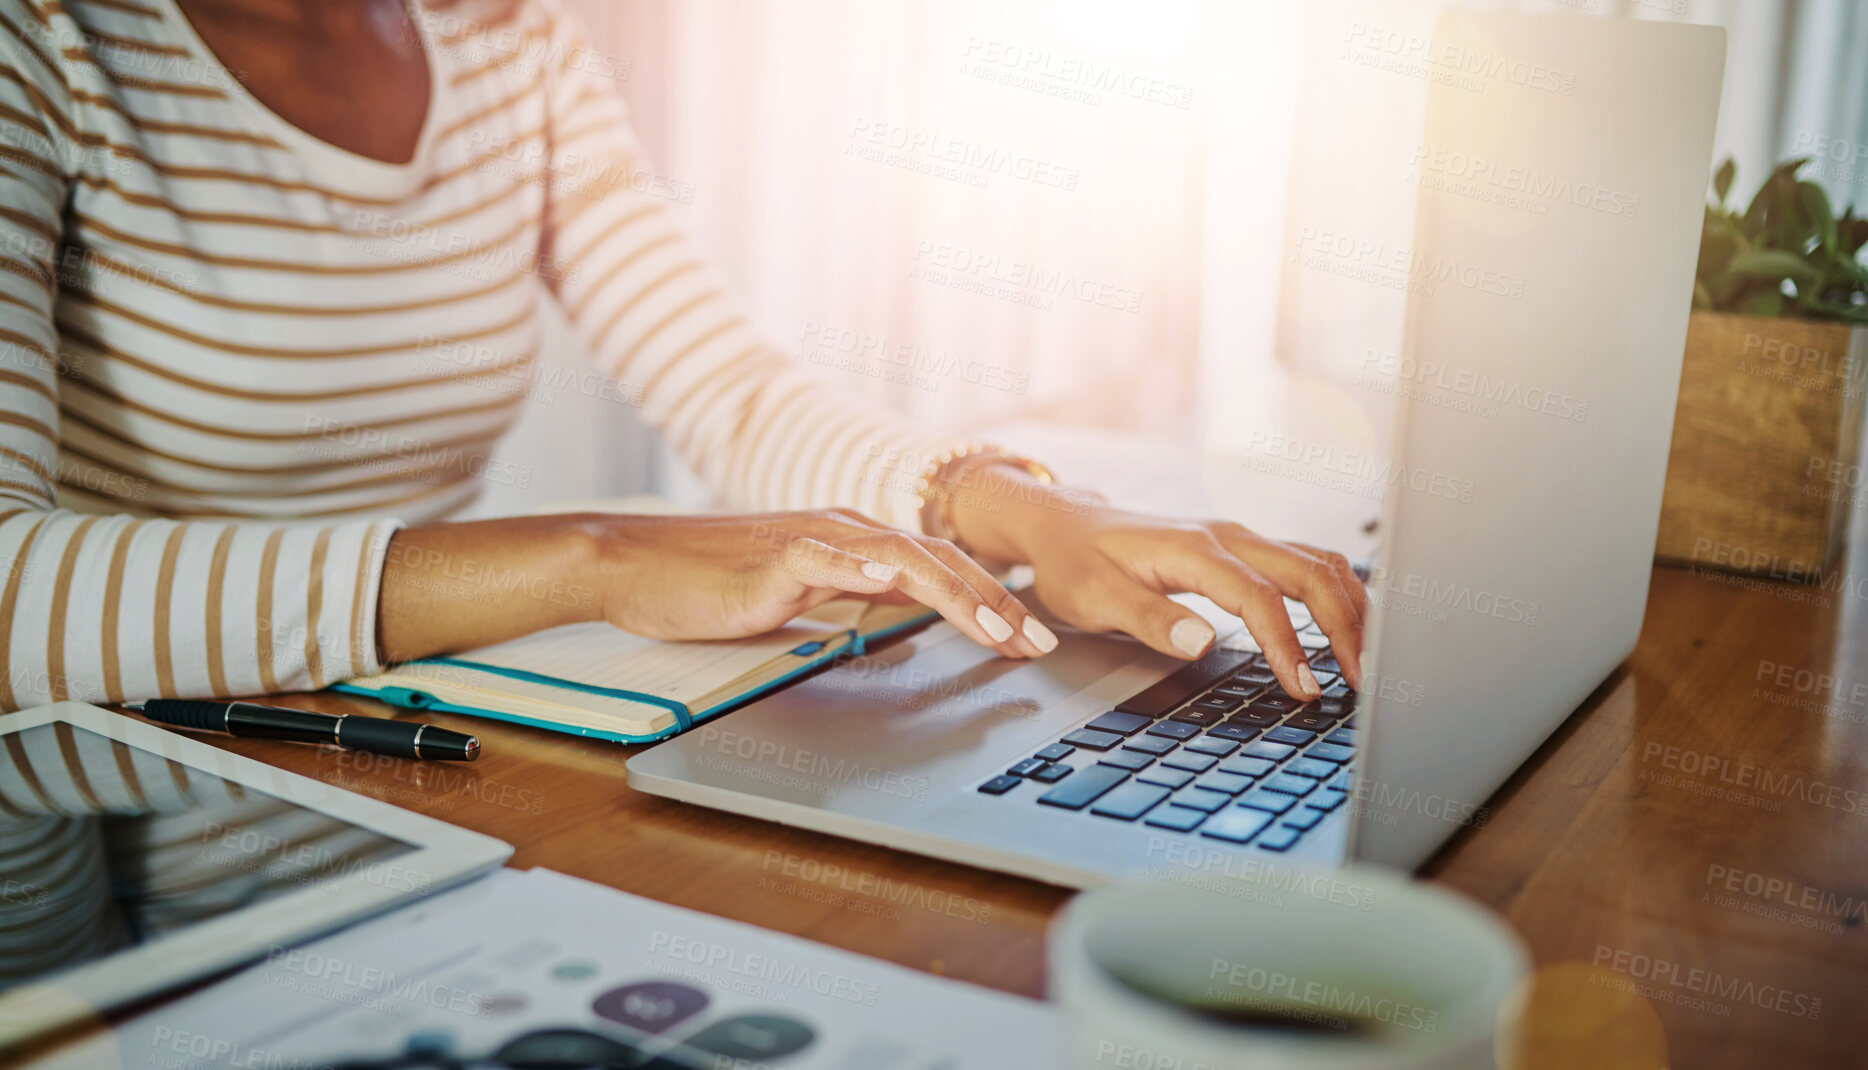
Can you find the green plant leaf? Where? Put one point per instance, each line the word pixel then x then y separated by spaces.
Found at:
pixel 1851 233
pixel 1844 269
pixel 1773 264
pixel 1722 179
pixel 1719 239
pixel 1815 204
pixel 1755 213
pixel 1786 172
pixel 1763 303
pixel 1788 238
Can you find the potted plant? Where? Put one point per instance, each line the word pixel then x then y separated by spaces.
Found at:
pixel 1764 466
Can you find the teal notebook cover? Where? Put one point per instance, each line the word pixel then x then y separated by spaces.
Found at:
pixel 801 659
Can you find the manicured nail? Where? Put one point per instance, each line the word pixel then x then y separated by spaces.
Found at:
pixel 1191 636
pixel 880 572
pixel 1308 681
pixel 995 625
pixel 1041 637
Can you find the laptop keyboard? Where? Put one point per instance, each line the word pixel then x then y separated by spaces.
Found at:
pixel 1216 749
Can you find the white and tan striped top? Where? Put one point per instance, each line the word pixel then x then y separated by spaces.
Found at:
pixel 233 357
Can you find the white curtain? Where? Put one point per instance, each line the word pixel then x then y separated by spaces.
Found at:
pixel 1081 213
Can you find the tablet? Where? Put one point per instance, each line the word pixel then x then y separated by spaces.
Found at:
pixel 134 859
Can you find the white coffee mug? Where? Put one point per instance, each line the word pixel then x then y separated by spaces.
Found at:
pixel 1281 967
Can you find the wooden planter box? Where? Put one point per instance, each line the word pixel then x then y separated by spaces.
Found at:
pixel 1764 467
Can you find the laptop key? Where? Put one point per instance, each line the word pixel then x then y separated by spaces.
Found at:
pixel 1195 716
pixel 1341 689
pixel 1129 801
pixel 1335 707
pixel 1201 799
pixel 1123 724
pixel 1052 773
pixel 1198 763
pixel 1167 778
pixel 1126 759
pixel 1244 766
pixel 1304 819
pixel 1000 784
pixel 1027 767
pixel 1345 780
pixel 1185 682
pixel 1256 718
pixel 1091 738
pixel 1280 839
pixel 1295 736
pixel 1325 662
pixel 1206 744
pixel 1328 799
pixel 1310 767
pixel 1236 825
pixel 1174 730
pixel 1177 818
pixel 1345 737
pixel 1261 678
pixel 1291 785
pixel 1238 689
pixel 1084 788
pixel 1230 783
pixel 1218 703
pixel 1266 749
pixel 1331 752
pixel 1309 722
pixel 1155 745
pixel 1056 752
pixel 1276 702
pixel 1232 730
pixel 1272 802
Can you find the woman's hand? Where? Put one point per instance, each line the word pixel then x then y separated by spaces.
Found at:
pixel 456 586
pixel 1104 569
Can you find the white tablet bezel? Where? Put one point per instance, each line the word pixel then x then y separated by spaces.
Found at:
pixel 443 855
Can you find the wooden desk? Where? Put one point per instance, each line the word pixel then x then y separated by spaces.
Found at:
pixel 1692 766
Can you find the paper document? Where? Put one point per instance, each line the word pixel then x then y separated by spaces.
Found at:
pixel 469 971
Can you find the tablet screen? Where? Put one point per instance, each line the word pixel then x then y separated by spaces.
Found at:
pixel 104 846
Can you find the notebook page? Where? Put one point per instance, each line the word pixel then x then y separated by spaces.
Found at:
pixel 600 655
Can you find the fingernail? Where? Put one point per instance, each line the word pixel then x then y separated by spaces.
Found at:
pixel 1041 637
pixel 995 625
pixel 880 572
pixel 1191 636
pixel 1308 680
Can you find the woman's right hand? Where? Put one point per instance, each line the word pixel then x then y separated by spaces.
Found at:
pixel 456 586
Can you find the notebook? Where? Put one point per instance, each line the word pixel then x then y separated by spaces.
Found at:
pixel 598 680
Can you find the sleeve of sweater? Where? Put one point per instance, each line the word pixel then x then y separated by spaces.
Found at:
pixel 105 608
pixel 764 431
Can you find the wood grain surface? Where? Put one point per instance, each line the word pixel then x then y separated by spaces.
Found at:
pixel 1698 830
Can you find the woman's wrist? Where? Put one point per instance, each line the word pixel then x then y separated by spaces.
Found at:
pixel 1000 511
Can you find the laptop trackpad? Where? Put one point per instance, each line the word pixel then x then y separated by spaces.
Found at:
pixel 933 704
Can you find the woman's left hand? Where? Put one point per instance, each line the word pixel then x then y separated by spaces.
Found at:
pixel 1104 569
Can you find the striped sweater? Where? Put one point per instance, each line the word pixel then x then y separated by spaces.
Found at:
pixel 233 358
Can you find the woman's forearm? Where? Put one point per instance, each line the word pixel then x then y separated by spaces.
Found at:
pixel 457 586
pixel 449 587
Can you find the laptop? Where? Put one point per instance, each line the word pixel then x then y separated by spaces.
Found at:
pixel 1552 286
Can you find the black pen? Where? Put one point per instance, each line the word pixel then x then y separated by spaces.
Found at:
pixel 378 735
